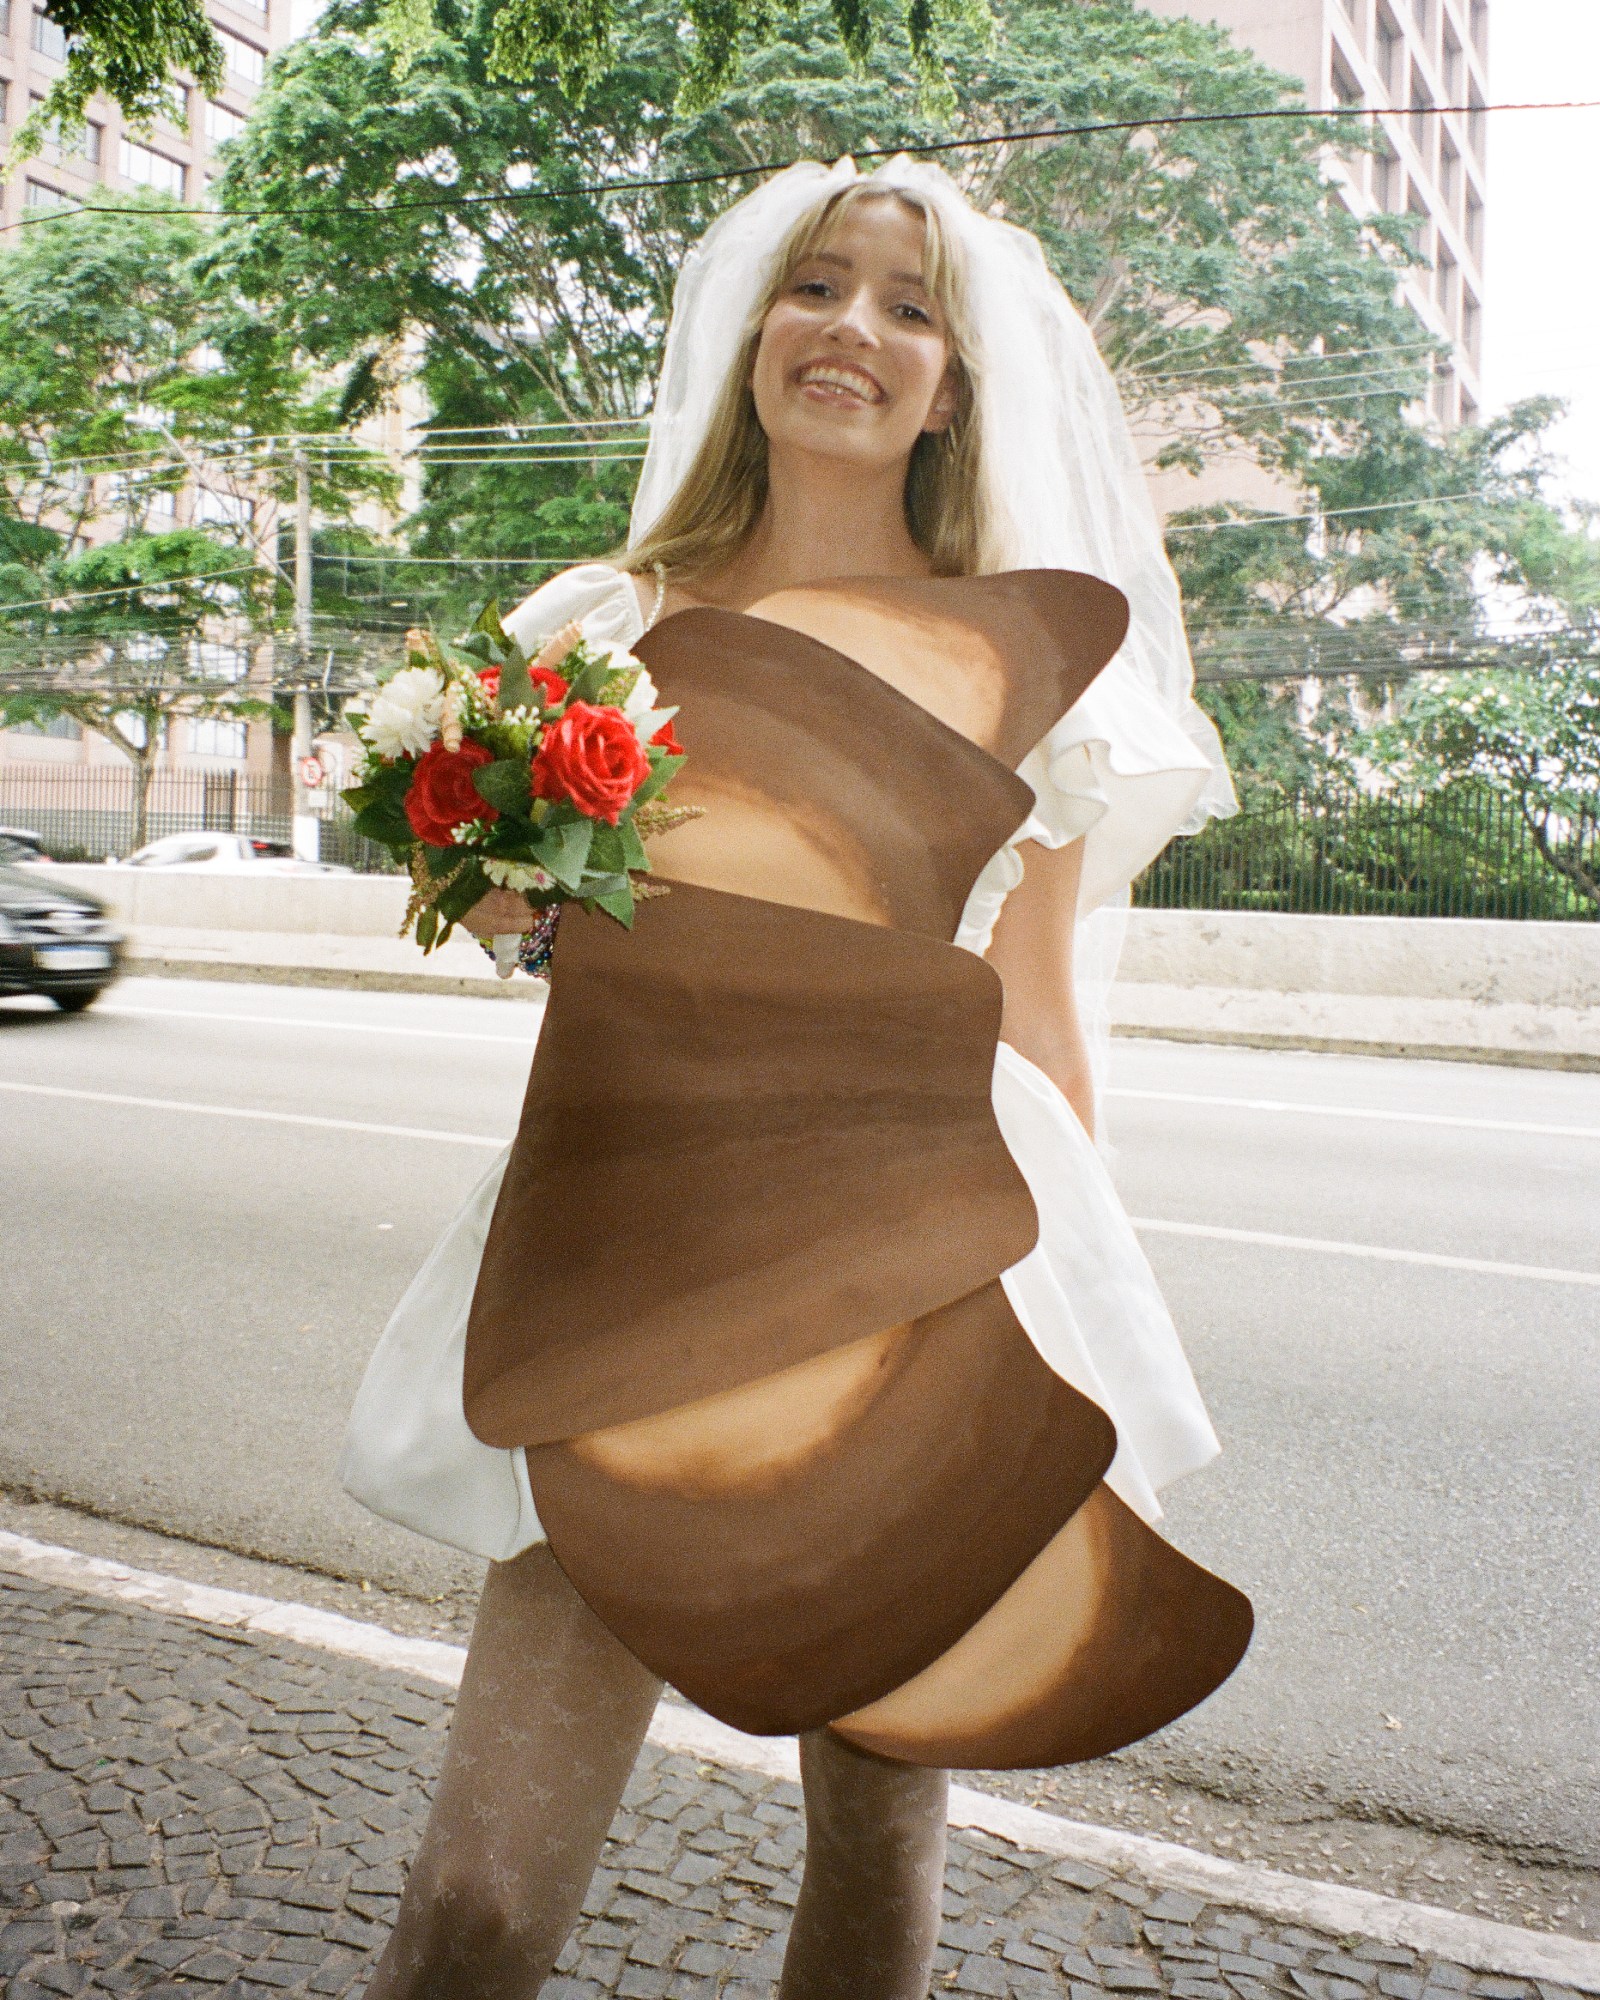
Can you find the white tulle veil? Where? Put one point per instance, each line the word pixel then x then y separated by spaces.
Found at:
pixel 1064 480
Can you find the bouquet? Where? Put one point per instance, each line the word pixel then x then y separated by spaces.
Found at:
pixel 510 786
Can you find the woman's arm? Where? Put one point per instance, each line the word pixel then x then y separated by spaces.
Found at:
pixel 1032 952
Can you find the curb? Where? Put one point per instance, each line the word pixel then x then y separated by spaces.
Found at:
pixel 448 985
pixel 360 978
pixel 1474 1942
pixel 1350 1045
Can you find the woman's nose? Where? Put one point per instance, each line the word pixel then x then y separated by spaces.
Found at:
pixel 853 323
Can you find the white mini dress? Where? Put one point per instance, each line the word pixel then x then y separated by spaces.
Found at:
pixel 1117 772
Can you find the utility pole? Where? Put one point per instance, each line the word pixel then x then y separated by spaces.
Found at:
pixel 307 827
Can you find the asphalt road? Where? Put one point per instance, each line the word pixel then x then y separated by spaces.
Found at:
pixel 1408 1491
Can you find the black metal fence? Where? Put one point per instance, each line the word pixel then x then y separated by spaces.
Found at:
pixel 1462 852
pixel 88 812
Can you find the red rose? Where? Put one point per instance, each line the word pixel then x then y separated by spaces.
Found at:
pixel 550 685
pixel 592 759
pixel 666 738
pixel 490 677
pixel 442 793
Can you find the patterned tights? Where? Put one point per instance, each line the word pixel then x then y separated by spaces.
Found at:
pixel 549 1720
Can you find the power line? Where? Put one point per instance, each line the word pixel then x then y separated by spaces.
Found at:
pixel 656 183
pixel 1326 513
pixel 124 590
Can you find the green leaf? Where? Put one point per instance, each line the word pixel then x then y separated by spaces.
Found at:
pixel 427 927
pixel 564 850
pixel 607 851
pixel 591 677
pixel 504 784
pixel 384 822
pixel 633 854
pixel 616 903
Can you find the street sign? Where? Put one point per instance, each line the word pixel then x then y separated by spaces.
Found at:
pixel 311 772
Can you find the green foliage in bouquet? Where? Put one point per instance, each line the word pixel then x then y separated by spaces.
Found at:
pixel 487 770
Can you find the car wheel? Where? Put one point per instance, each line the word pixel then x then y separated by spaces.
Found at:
pixel 74 1003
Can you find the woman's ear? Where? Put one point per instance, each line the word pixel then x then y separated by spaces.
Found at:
pixel 942 410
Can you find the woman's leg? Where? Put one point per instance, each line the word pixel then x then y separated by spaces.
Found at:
pixel 867 1921
pixel 550 1717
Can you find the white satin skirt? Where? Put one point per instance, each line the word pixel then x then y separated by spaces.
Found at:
pixel 1085 1295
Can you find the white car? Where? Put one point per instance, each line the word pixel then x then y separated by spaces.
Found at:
pixel 227 854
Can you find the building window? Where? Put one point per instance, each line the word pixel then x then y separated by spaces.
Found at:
pixel 222 124
pixel 1450 176
pixel 1390 41
pixel 1452 68
pixel 1388 179
pixel 209 737
pixel 1471 328
pixel 1469 411
pixel 1479 28
pixel 1475 225
pixel 5 17
pixel 244 60
pixel 1447 287
pixel 1424 126
pixel 153 170
pixel 218 662
pixel 48 39
pixel 60 726
pixel 1477 123
pixel 1422 14
pixel 37 195
pixel 1345 88
pixel 1443 397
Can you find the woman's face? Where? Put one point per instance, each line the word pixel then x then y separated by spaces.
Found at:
pixel 854 358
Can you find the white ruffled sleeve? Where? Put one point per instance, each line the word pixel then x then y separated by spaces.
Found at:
pixel 1118 772
pixel 600 598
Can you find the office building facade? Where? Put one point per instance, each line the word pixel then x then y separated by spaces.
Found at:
pixel 1404 59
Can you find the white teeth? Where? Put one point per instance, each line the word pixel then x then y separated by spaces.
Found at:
pixel 842 378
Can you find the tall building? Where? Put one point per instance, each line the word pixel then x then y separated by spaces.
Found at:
pixel 1401 57
pixel 175 156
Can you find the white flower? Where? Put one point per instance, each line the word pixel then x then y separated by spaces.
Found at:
pixel 517 875
pixel 404 717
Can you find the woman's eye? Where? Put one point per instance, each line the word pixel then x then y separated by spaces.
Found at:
pixel 817 288
pixel 918 313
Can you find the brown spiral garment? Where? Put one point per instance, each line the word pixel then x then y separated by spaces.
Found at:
pixel 741 1296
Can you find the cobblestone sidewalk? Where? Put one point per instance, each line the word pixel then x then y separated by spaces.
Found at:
pixel 185 1811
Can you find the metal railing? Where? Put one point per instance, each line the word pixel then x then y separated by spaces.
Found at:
pixel 87 812
pixel 1462 852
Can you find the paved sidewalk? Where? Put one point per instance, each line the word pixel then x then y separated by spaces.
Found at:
pixel 186 1809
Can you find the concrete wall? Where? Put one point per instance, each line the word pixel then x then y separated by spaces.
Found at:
pixel 1425 958
pixel 1422 958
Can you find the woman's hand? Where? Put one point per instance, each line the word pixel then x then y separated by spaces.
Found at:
pixel 1032 952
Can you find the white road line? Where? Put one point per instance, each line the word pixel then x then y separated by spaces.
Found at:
pixel 310 1021
pixel 263 1117
pixel 1281 1104
pixel 1325 1906
pixel 1550 1273
pixel 1151 1224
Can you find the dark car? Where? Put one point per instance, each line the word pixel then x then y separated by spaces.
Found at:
pixel 53 941
pixel 21 843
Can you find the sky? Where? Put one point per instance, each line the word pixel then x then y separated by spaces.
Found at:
pixel 1542 279
pixel 1542 269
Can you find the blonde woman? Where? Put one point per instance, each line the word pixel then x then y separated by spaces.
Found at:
pixel 865 379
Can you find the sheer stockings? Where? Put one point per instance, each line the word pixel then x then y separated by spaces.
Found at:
pixel 550 1717
pixel 549 1720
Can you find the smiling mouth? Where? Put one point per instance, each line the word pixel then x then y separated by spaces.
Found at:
pixel 832 378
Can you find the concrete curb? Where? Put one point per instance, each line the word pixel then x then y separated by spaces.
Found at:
pixel 357 978
pixel 1473 1942
pixel 1349 1045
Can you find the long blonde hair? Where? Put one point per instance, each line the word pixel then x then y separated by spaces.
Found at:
pixel 709 517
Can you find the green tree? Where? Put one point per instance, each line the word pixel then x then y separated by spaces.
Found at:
pixel 1196 249
pixel 130 49
pixel 130 642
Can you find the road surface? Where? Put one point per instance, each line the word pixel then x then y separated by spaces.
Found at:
pixel 1387 1275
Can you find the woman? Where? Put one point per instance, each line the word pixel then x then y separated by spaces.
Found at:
pixel 864 379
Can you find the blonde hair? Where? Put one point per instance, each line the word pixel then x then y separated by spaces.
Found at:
pixel 709 517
